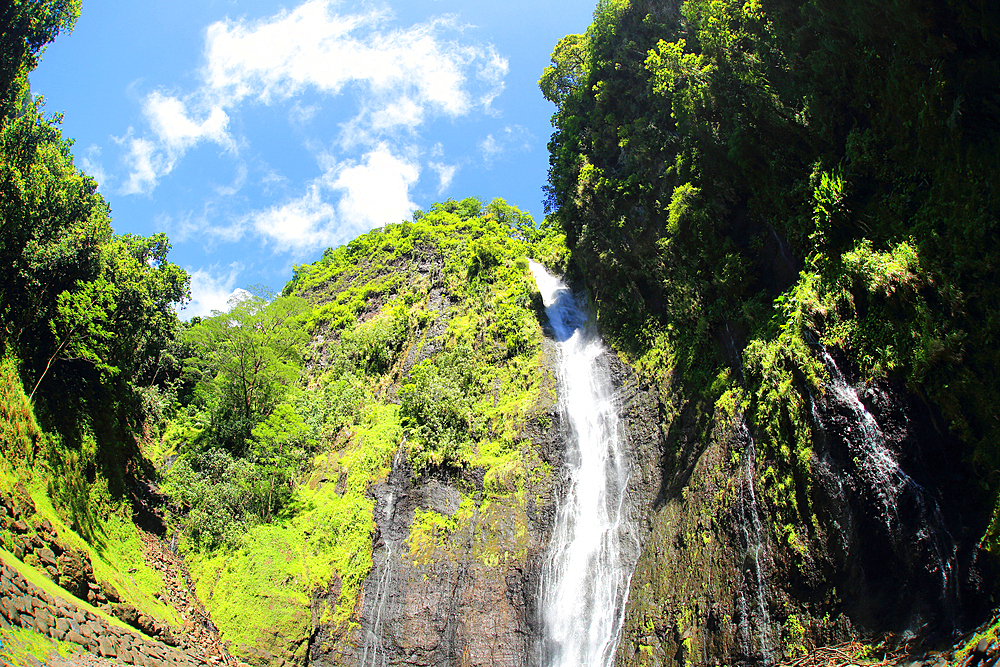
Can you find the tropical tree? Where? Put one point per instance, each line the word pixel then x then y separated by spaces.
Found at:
pixel 248 356
pixel 26 28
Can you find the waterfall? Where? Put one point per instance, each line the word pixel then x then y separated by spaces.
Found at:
pixel 373 637
pixel 374 654
pixel 755 622
pixel 592 553
pixel 931 547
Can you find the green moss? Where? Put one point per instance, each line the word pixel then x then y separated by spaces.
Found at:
pixel 23 647
pixel 260 592
pixel 793 637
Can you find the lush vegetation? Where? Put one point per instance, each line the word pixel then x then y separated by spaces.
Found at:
pixel 738 182
pixel 741 181
pixel 419 340
pixel 86 315
pixel 265 425
pixel 85 312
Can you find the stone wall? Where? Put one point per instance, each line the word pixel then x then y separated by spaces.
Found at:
pixel 22 604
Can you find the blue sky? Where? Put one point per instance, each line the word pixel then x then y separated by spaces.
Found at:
pixel 256 134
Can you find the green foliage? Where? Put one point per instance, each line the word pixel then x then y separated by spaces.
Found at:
pixel 259 590
pixel 435 408
pixel 568 69
pixel 425 342
pixel 19 433
pixel 373 346
pixel 28 27
pixel 19 646
pixel 834 160
pixel 84 312
pixel 219 495
pixel 281 444
pixel 247 358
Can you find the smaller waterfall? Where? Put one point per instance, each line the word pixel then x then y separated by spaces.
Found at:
pixel 373 653
pixel 755 621
pixel 593 547
pixel 931 547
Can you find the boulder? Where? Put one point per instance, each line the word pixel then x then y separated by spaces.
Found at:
pixel 73 573
pixel 106 648
pixel 46 556
pixel 127 613
pixel 110 592
pixel 75 638
pixel 146 625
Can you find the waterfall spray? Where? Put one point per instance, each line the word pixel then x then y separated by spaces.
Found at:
pixel 591 556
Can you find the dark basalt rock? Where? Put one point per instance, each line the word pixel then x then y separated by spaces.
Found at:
pixel 473 598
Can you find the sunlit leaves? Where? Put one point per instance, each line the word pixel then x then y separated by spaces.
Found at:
pixel 568 70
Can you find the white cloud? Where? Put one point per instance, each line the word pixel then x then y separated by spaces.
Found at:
pixel 314 47
pixel 372 192
pixel 238 182
pixel 376 191
pixel 146 164
pixel 211 290
pixel 90 163
pixel 301 224
pixel 300 115
pixel 169 118
pixel 401 77
pixel 514 138
pixel 176 132
pixel 446 174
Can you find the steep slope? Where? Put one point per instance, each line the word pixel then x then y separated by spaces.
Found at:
pixel 417 533
pixel 783 212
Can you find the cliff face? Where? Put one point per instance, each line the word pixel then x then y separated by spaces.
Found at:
pixel 891 544
pixel 881 541
pixel 759 207
pixel 456 575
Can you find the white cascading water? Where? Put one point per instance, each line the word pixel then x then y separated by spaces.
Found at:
pixel 882 473
pixel 374 654
pixel 755 621
pixel 591 556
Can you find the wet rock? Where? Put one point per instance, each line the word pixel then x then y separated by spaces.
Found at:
pixel 441 498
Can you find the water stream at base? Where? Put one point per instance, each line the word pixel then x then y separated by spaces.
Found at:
pixel 591 556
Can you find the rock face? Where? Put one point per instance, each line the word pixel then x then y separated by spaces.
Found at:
pixel 456 578
pixel 454 575
pixel 883 547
